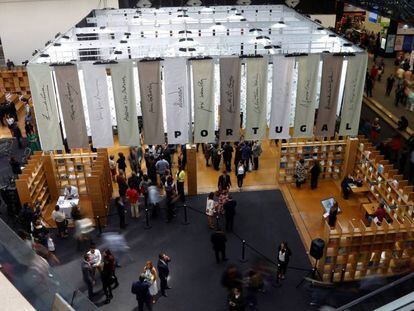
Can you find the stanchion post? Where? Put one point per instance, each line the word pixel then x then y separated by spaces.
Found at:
pixel 342 275
pixel 185 222
pixel 147 223
pixel 332 275
pixel 243 255
pixel 98 220
pixel 217 222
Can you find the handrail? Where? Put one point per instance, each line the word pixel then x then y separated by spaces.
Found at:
pixel 387 116
pixel 375 292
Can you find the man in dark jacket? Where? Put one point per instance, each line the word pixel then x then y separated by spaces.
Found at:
pixel 120 208
pixel 227 155
pixel 224 182
pixel 163 272
pixel 219 240
pixel 141 291
pixel 133 181
pixel 87 274
pixel 229 212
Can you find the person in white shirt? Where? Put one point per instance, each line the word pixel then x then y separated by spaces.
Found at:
pixel 210 209
pixel 60 218
pixel 71 192
pixel 95 257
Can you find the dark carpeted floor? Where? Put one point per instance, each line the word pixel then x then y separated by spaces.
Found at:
pixel 262 219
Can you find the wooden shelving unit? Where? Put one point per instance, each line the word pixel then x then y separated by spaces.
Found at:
pixel 33 185
pixel 355 250
pixel 329 153
pixel 14 81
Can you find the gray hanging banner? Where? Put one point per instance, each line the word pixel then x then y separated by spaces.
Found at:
pixel 125 104
pixel 151 105
pixel 70 96
pixel 230 98
pixel 328 103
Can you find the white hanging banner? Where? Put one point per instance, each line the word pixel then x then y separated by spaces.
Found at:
pixel 44 101
pixel 176 100
pixel 328 103
pixel 282 85
pixel 151 104
pixel 306 95
pixel 67 80
pixel 122 75
pixel 203 89
pixel 96 87
pixel 353 93
pixel 256 99
pixel 230 75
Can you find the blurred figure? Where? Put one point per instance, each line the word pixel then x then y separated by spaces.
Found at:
pixel 236 300
pixel 120 208
pixel 231 278
pixel 154 199
pixel 218 239
pixel 117 244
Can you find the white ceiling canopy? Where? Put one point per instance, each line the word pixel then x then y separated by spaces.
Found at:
pixel 192 31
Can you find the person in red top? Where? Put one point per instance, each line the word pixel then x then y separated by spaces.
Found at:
pixel 133 197
pixel 394 147
pixel 374 73
pixel 380 212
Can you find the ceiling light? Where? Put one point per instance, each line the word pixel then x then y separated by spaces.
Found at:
pixel 194 3
pixel 218 27
pixel 144 4
pixel 236 17
pixel 279 25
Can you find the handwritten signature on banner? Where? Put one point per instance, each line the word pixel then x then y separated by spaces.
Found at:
pixel 45 100
pixel 329 96
pixel 201 94
pixel 231 108
pixel 178 97
pixel 125 98
pixel 98 100
pixel 69 95
pixel 256 94
pixel 352 101
pixel 151 87
pixel 306 101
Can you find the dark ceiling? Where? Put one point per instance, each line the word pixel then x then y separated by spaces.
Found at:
pixel 400 10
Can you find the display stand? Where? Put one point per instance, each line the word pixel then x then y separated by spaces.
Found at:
pixel 330 154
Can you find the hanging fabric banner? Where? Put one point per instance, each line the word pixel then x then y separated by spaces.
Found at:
pixel 96 87
pixel 256 99
pixel 306 95
pixel 151 105
pixel 353 92
pixel 125 103
pixel 328 103
pixel 70 96
pixel 176 97
pixel 281 97
pixel 203 89
pixel 44 100
pixel 230 75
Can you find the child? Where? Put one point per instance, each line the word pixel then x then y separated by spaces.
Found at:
pixel 112 167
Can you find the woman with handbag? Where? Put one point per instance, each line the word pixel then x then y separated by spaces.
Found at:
pixel 151 276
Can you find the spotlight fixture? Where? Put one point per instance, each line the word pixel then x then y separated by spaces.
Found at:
pixel 279 25
pixel 144 4
pixel 194 3
pixel 244 2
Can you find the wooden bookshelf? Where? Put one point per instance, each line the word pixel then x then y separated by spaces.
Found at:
pixel 14 81
pixel 329 153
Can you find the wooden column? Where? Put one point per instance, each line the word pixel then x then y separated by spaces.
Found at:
pixel 350 156
pixel 191 169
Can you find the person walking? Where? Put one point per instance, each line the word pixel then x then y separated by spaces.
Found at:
pixel 218 239
pixel 87 275
pixel 107 276
pixel 151 277
pixel 133 198
pixel 229 211
pixel 180 183
pixel 224 182
pixel 121 162
pixel 283 256
pixel 315 171
pixel 241 171
pixel 210 208
pixel 256 152
pixel 163 272
pixel 140 289
pixel 120 207
pixel 300 173
pixel 227 155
